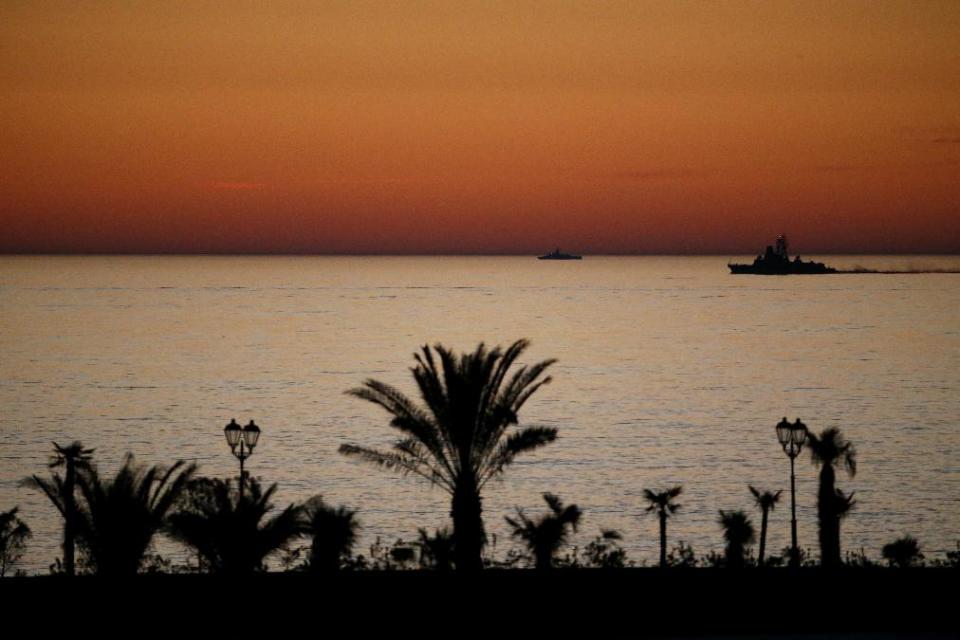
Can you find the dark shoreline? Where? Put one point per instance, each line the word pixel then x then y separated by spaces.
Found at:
pixel 589 602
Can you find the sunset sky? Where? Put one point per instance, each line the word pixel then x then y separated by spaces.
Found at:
pixel 479 126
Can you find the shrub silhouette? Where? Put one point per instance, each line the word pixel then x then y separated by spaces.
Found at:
pixel 682 555
pixel 436 551
pixel 458 439
pixel 117 518
pixel 545 535
pixel 903 552
pixel 233 536
pixel 605 551
pixel 738 532
pixel 333 533
pixel 13 538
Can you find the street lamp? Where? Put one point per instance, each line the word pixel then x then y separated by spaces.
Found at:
pixel 246 438
pixel 791 438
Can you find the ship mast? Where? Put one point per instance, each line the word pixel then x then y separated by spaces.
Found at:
pixel 781 250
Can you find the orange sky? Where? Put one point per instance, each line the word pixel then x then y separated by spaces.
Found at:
pixel 480 127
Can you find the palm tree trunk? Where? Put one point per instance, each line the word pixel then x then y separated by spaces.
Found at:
pixel 468 536
pixel 663 539
pixel 734 555
pixel 763 537
pixel 544 559
pixel 69 518
pixel 829 522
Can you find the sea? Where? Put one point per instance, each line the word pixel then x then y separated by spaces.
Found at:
pixel 670 371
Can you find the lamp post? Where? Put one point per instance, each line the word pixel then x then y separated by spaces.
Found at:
pixel 241 441
pixel 791 438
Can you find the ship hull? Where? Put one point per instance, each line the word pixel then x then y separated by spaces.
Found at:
pixel 560 258
pixel 804 268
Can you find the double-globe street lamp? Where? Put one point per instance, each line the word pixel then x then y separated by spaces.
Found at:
pixel 241 441
pixel 792 437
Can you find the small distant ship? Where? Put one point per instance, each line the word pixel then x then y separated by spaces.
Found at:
pixel 557 255
pixel 776 262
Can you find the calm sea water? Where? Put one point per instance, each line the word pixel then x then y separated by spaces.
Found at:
pixel 670 372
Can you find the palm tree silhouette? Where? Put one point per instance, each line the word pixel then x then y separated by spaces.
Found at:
pixel 545 535
pixel 62 493
pixel 903 552
pixel 118 518
pixel 458 439
pixel 333 532
pixel 13 537
pixel 738 532
pixel 767 501
pixel 662 503
pixel 233 535
pixel 830 450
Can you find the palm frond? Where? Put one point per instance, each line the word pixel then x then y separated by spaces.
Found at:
pixel 52 488
pixel 517 443
pixel 831 448
pixel 396 461
pixel 662 501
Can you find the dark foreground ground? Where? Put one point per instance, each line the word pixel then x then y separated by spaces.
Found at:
pixel 862 603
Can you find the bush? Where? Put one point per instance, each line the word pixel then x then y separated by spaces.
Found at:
pixel 605 552
pixel 681 555
pixel 903 552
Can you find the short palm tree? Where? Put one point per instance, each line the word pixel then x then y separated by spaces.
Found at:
pixel 545 535
pixel 767 501
pixel 830 450
pixel 118 518
pixel 233 536
pixel 62 493
pixel 333 533
pixel 13 538
pixel 460 438
pixel 903 552
pixel 738 532
pixel 662 503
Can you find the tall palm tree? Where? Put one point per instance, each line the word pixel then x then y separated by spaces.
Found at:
pixel 738 532
pixel 333 533
pixel 767 501
pixel 118 518
pixel 830 450
pixel 13 537
pixel 662 502
pixel 62 492
pixel 459 438
pixel 233 535
pixel 545 535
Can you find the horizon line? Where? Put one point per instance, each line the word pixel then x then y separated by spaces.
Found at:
pixel 303 254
